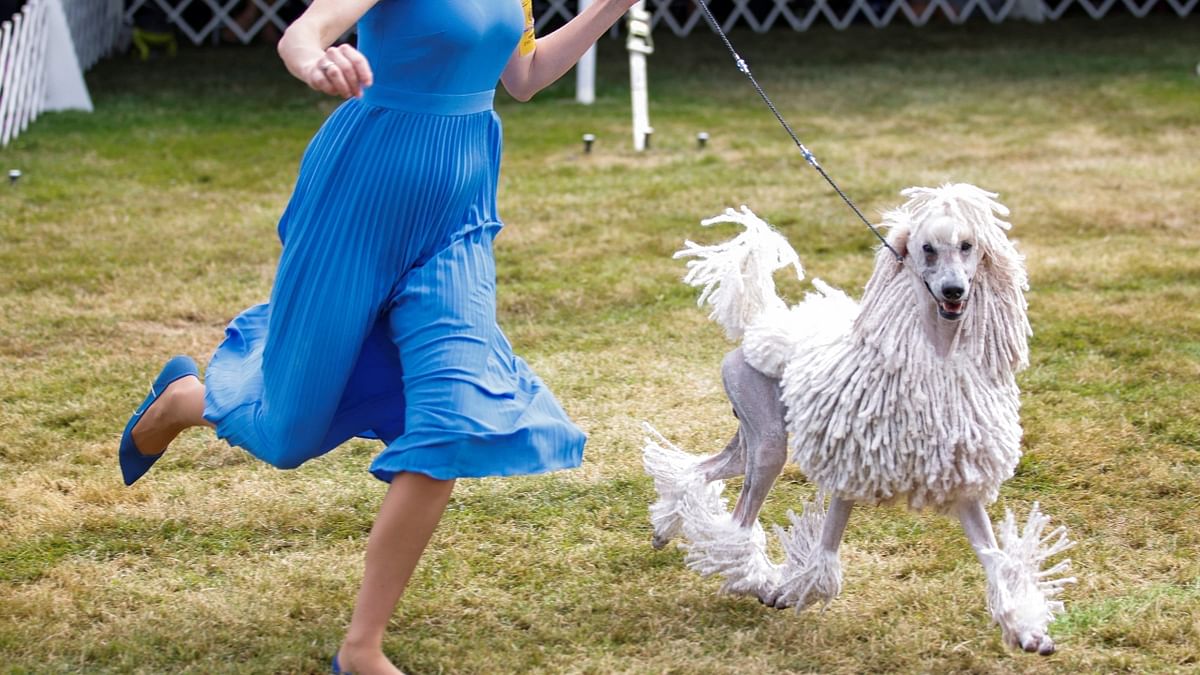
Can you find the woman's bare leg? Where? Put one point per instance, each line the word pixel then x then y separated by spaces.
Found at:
pixel 411 509
pixel 179 407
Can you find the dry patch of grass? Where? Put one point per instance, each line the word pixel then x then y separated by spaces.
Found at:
pixel 140 229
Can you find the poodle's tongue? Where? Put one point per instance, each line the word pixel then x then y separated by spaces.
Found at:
pixel 951 311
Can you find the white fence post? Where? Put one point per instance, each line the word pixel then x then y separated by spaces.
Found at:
pixel 62 74
pixel 639 45
pixel 585 71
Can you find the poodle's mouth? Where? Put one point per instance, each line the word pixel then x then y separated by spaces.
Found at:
pixel 951 311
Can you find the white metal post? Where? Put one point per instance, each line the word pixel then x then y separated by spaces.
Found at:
pixel 65 87
pixel 639 45
pixel 585 72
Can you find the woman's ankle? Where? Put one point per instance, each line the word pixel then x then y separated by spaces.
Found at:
pixel 178 408
pixel 187 404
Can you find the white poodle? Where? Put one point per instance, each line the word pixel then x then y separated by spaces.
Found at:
pixel 908 396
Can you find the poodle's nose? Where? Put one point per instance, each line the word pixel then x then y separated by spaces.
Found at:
pixel 952 292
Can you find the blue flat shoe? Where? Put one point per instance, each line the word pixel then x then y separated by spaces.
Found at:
pixel 134 463
pixel 337 669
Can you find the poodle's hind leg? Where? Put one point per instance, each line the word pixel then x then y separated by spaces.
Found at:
pixel 734 546
pixel 676 473
pixel 763 432
pixel 729 463
pixel 1020 593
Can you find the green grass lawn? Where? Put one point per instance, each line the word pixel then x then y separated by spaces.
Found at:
pixel 139 230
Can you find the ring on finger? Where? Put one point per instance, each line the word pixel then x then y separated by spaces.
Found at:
pixel 326 66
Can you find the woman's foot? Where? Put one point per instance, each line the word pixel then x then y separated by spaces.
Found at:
pixel 183 409
pixel 177 408
pixel 362 661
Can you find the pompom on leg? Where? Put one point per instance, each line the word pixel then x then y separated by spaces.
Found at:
pixel 676 473
pixel 718 545
pixel 1022 596
pixel 692 507
pixel 812 571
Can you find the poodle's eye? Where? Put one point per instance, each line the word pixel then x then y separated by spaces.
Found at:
pixel 966 246
pixel 927 248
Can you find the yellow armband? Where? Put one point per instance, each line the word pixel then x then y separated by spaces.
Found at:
pixel 528 40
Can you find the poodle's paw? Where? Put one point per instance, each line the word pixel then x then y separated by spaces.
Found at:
pixel 1035 641
pixel 783 598
pixel 1018 606
pixel 666 521
pixel 818 580
pixel 772 598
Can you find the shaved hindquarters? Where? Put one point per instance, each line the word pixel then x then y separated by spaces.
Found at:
pixel 763 431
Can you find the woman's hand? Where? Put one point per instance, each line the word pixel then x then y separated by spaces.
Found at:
pixel 337 71
pixel 340 71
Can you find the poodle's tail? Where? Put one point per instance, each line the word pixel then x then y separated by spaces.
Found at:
pixel 736 275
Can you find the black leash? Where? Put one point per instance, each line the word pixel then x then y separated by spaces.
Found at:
pixel 808 156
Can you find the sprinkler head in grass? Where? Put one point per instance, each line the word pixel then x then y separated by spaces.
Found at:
pixel 702 140
pixel 588 139
pixel 14 175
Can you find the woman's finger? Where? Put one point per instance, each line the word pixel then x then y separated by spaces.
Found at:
pixel 342 73
pixel 336 80
pixel 318 80
pixel 361 67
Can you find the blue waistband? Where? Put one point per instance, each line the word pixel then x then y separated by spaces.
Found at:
pixel 429 104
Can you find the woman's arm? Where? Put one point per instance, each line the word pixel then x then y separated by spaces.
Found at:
pixel 304 48
pixel 554 54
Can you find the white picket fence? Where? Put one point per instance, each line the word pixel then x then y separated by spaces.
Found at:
pixel 23 43
pixel 44 50
pixel 681 17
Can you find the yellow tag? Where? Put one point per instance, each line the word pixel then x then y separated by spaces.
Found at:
pixel 528 40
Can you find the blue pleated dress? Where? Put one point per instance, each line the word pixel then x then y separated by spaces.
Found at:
pixel 382 318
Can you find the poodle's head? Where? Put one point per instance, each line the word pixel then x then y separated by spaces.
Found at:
pixel 962 263
pixel 951 235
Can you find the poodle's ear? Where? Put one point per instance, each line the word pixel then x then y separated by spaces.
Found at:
pixel 899 226
pixel 898 238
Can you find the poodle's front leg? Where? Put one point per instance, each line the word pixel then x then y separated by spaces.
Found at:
pixel 1018 592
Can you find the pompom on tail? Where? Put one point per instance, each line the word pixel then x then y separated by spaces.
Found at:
pixel 736 276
